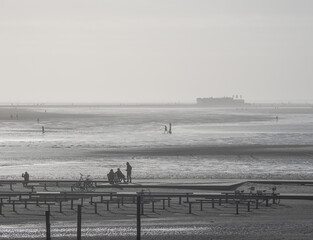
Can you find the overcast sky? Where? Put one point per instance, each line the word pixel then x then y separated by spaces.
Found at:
pixel 155 51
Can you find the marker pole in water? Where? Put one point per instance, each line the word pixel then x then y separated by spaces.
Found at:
pixel 48 225
pixel 138 217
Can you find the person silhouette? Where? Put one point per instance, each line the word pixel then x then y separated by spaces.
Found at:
pixel 170 128
pixel 129 172
pixel 26 178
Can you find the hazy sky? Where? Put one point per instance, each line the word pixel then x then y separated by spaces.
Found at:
pixel 155 51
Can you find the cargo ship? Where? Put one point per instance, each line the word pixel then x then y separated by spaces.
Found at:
pixel 221 102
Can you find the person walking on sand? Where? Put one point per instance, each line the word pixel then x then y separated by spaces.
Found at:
pixel 129 172
pixel 170 128
pixel 26 178
pixel 165 129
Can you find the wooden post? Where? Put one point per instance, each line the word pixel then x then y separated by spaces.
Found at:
pixel 138 217
pixel 48 235
pixel 248 206
pixel 60 206
pixel 266 202
pixel 82 201
pixel 107 205
pixel 257 203
pixel 11 187
pixel 220 201
pixel 72 204
pixel 118 203
pixel 237 207
pixel 79 222
pixel 0 208
pixel 111 196
pixel 226 198
pixel 189 207
pixel 152 206
pixel 212 203
pixel 96 210
pixel 169 202
pixel 163 204
pixel 25 203
pixel 142 209
pixel 91 200
pixel 201 209
pixel 37 202
pixel 179 200
pixel 13 205
pixel 122 201
pixel 187 197
pixel 46 187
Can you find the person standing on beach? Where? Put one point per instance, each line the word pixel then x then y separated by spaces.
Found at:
pixel 26 178
pixel 129 172
pixel 170 128
pixel 165 129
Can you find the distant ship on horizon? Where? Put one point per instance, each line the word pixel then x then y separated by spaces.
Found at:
pixel 221 102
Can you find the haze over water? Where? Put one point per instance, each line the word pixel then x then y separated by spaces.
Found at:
pixel 206 142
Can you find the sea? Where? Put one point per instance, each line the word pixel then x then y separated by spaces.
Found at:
pixel 92 139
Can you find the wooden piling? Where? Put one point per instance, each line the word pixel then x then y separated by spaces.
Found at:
pixel 48 233
pixel 79 222
pixel 237 207
pixel 138 217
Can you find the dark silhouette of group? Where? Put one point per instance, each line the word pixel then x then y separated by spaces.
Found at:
pixel 118 176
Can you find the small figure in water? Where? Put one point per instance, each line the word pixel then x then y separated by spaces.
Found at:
pixel 129 172
pixel 276 118
pixel 43 129
pixel 111 176
pixel 170 128
pixel 26 178
pixel 165 129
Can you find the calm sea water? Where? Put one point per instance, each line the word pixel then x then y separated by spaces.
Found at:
pixel 75 137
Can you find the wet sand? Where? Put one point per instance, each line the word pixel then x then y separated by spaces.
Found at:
pixel 198 150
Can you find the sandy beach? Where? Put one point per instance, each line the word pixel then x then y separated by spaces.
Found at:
pixel 291 219
pixel 224 148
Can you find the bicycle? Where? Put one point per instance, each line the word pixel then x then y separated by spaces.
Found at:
pixel 84 184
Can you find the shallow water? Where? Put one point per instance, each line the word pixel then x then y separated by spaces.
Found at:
pixel 73 136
